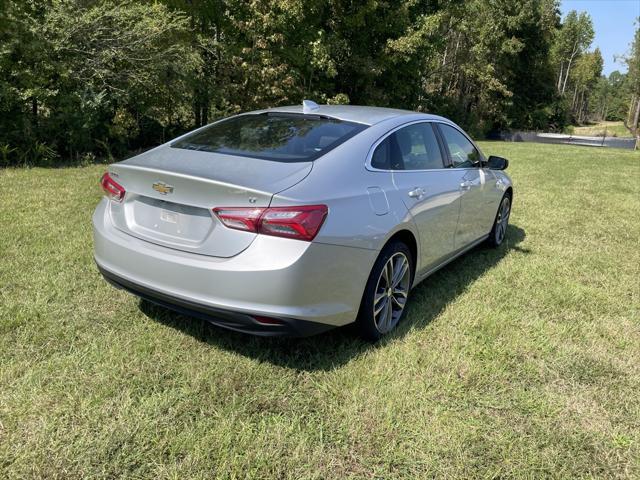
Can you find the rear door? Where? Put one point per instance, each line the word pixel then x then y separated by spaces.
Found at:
pixel 416 160
pixel 474 184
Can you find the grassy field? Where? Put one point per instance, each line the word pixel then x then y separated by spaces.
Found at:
pixel 521 362
pixel 610 129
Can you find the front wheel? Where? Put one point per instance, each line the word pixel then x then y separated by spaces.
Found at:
pixel 499 230
pixel 386 292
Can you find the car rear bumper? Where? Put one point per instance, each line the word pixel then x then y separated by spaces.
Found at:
pixel 223 318
pixel 298 283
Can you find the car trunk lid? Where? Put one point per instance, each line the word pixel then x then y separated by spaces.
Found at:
pixel 170 194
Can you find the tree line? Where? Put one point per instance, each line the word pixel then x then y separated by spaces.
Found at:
pixel 87 79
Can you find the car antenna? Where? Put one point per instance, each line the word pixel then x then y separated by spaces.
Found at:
pixel 309 106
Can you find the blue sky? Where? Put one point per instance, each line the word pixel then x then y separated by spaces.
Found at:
pixel 613 22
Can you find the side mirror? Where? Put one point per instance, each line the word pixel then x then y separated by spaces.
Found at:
pixel 497 163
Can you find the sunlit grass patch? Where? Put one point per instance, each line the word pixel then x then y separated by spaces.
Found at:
pixel 517 362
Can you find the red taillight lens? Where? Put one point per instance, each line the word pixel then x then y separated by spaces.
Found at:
pixel 240 218
pixel 112 189
pixel 302 223
pixel 293 222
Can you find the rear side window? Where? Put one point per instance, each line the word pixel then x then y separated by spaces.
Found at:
pixel 272 136
pixel 414 147
pixel 463 153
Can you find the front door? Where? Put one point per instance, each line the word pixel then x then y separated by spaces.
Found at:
pixel 475 185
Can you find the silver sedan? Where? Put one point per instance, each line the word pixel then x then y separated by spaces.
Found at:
pixel 294 220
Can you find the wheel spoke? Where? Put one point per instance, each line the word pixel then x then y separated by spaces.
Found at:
pixel 400 272
pixel 400 302
pixel 387 274
pixel 380 304
pixel 381 320
pixel 397 265
pixel 401 292
pixel 388 315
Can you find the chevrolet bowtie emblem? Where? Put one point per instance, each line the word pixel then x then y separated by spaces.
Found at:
pixel 162 187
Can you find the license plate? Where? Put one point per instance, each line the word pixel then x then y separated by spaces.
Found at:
pixel 170 217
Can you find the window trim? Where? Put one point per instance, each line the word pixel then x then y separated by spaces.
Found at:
pixel 441 144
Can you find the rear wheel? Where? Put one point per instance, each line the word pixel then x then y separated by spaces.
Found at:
pixel 499 230
pixel 387 291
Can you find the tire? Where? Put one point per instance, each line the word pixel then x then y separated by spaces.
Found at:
pixel 382 308
pixel 500 224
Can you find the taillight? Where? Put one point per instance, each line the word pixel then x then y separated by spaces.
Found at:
pixel 240 218
pixel 302 223
pixel 293 222
pixel 112 189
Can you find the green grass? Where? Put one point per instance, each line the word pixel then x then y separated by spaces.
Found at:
pixel 521 362
pixel 600 129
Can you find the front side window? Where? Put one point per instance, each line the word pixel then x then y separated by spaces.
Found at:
pixel 463 153
pixel 273 136
pixel 414 147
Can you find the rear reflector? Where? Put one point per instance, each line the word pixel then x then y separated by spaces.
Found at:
pixel 112 189
pixel 268 320
pixel 302 223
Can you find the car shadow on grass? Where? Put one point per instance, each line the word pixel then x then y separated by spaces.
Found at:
pixel 337 347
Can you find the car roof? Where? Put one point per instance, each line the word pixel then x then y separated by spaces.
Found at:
pixel 353 113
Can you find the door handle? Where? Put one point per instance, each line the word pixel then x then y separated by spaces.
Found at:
pixel 417 192
pixel 466 185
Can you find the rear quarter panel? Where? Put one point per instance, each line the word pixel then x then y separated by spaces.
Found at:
pixel 355 196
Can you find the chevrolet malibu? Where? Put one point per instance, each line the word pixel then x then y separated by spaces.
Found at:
pixel 294 220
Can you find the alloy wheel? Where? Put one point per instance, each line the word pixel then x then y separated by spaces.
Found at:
pixel 391 292
pixel 503 220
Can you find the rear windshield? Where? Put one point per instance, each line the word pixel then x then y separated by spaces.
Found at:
pixel 272 136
